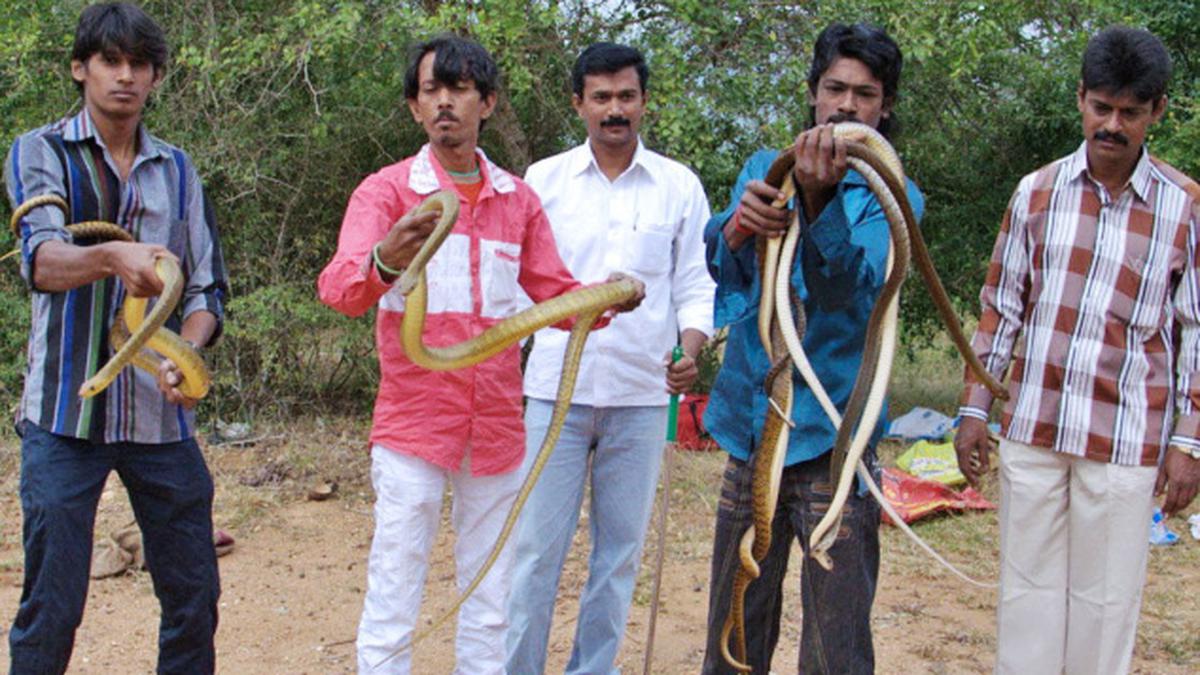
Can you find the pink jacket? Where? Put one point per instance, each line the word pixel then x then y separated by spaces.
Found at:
pixel 500 246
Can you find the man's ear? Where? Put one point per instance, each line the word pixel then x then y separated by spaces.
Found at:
pixel 489 106
pixel 78 70
pixel 414 109
pixel 1160 107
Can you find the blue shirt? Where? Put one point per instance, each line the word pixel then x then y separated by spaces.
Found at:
pixel 838 275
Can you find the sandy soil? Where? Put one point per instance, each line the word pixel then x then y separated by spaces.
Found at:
pixel 292 588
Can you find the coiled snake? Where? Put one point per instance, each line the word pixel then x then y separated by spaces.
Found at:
pixel 586 304
pixel 872 157
pixel 135 330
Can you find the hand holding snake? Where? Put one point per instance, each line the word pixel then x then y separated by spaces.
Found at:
pixel 146 270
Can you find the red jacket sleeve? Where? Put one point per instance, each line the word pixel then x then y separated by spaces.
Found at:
pixel 350 283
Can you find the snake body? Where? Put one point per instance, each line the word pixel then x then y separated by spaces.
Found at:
pixel 586 304
pixel 142 330
pixel 871 155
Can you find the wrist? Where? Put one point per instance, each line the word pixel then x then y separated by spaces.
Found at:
pixel 736 234
pixel 387 272
pixel 738 226
pixel 1191 452
pixel 106 252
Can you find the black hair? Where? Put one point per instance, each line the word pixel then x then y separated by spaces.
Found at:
pixel 119 28
pixel 604 58
pixel 862 42
pixel 1122 59
pixel 455 59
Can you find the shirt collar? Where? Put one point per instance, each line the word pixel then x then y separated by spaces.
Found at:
pixel 81 128
pixel 583 159
pixel 427 175
pixel 1139 181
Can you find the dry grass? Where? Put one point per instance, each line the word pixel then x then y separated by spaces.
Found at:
pixel 947 625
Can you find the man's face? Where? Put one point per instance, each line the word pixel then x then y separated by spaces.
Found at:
pixel 115 84
pixel 612 105
pixel 450 114
pixel 848 92
pixel 1115 124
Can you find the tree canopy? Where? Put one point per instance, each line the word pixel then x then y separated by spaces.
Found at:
pixel 286 105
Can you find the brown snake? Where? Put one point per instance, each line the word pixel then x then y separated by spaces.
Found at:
pixel 870 155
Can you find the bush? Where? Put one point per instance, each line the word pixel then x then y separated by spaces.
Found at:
pixel 285 353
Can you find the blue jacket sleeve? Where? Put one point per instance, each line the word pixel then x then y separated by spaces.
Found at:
pixel 736 272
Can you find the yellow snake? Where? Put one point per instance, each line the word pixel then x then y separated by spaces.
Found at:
pixel 144 330
pixel 871 155
pixel 586 304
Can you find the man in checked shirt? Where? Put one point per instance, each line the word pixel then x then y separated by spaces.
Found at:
pixel 1095 272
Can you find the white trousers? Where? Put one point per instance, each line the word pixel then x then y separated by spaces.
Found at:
pixel 1074 537
pixel 408 503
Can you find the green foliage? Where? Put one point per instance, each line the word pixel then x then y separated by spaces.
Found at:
pixel 14 331
pixel 284 352
pixel 286 105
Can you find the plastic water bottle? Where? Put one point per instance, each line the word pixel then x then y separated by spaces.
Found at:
pixel 1159 534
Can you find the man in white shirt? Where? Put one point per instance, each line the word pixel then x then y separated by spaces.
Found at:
pixel 613 205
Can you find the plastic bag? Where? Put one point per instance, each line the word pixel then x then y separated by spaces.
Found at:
pixel 932 461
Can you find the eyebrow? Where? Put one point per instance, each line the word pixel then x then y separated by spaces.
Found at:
pixel 865 85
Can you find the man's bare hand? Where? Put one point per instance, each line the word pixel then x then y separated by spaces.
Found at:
pixel 820 165
pixel 632 303
pixel 755 214
pixel 169 379
pixel 135 263
pixel 971 444
pixel 405 238
pixel 681 374
pixel 1180 478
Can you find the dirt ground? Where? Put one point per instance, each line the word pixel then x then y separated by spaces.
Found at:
pixel 292 588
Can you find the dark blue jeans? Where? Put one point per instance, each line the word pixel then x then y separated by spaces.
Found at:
pixel 836 604
pixel 171 492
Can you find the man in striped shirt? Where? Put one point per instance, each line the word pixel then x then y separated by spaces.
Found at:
pixel 1093 296
pixel 105 164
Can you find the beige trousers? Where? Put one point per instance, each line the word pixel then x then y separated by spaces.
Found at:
pixel 1074 536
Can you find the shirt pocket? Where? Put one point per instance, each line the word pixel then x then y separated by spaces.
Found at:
pixel 648 249
pixel 500 266
pixel 1141 291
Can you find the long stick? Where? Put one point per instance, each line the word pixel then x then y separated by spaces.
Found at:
pixel 664 505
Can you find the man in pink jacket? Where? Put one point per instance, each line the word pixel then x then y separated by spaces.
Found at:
pixel 462 425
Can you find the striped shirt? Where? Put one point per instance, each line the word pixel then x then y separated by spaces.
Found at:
pixel 1103 296
pixel 161 202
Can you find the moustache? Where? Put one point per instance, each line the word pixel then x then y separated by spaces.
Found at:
pixel 838 118
pixel 1114 136
pixel 446 116
pixel 615 122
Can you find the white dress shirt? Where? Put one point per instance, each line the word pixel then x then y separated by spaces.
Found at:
pixel 648 223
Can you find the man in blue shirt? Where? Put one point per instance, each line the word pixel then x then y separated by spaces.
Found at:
pixel 839 272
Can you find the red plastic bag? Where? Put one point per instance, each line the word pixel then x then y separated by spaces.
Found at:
pixel 914 498
pixel 691 434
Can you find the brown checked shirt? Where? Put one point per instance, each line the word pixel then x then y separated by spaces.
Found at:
pixel 1095 303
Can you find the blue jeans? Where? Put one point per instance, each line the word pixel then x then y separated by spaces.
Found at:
pixel 171 492
pixel 836 629
pixel 626 448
